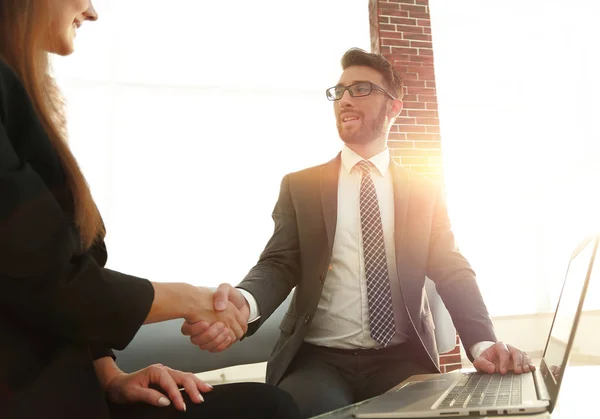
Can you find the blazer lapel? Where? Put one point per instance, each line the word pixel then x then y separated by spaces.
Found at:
pixel 330 173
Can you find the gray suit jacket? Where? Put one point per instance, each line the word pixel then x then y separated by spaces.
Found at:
pixel 298 255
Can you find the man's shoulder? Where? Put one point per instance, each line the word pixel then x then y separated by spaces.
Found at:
pixel 312 172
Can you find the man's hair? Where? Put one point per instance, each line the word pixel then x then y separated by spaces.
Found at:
pixel 392 80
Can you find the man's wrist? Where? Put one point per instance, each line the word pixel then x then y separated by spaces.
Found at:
pixel 252 305
pixel 479 347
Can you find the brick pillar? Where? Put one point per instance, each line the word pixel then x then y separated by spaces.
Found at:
pixel 401 31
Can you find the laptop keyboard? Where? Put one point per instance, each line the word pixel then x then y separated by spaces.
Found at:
pixel 484 390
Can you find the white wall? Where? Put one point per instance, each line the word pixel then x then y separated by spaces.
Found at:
pixel 518 99
pixel 186 114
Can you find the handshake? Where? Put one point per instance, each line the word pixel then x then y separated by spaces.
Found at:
pixel 217 320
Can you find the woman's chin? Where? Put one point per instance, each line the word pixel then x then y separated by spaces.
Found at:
pixel 62 47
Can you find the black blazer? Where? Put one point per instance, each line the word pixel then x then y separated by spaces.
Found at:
pixel 59 307
pixel 298 255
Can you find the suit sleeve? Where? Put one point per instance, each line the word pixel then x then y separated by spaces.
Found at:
pixel 45 285
pixel 278 269
pixel 455 280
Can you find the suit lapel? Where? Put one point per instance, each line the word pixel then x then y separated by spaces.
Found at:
pixel 330 174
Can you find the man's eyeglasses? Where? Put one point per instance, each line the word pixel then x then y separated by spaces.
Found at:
pixel 362 88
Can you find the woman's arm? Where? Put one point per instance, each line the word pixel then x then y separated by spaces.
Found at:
pixel 46 284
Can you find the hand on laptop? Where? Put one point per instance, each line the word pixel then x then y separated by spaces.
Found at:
pixel 502 358
pixel 215 337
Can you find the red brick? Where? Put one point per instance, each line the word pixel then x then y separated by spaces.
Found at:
pixel 414 83
pixel 387 27
pixel 409 76
pixel 410 98
pixel 426 30
pixel 424 2
pixel 397 13
pixel 423 137
pixel 424 22
pixel 384 5
pixel 418 14
pixel 428 98
pixel 424 154
pixel 421 44
pixel 428 121
pixel 410 29
pixel 432 129
pixel 384 19
pixel 404 51
pixel 414 9
pixel 425 51
pixel 403 144
pixel 431 105
pixel 390 34
pixel 423 114
pixel 422 90
pixel 417 37
pixel 414 105
pixel 430 83
pixel 399 136
pixel 450 359
pixel 403 21
pixel 434 145
pixel 412 129
pixel 422 58
pixel 420 68
pixel 395 42
pixel 406 121
pixel 403 58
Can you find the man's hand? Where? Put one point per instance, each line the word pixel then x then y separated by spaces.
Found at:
pixel 501 358
pixel 215 337
pixel 136 387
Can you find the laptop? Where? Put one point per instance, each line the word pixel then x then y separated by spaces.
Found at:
pixel 474 393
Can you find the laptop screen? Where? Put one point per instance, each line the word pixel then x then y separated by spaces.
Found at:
pixel 566 312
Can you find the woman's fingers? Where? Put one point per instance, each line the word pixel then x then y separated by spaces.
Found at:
pixel 161 375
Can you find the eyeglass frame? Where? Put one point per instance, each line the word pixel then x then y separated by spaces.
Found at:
pixel 373 86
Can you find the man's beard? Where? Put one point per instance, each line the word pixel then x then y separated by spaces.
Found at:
pixel 368 132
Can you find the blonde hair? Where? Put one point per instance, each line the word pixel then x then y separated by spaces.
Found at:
pixel 23 28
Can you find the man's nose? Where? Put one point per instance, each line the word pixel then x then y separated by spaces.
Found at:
pixel 346 99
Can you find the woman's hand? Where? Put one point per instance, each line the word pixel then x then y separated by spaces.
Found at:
pixel 135 387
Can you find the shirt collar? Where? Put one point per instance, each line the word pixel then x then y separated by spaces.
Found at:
pixel 381 161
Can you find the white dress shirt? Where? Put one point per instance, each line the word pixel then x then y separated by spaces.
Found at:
pixel 342 316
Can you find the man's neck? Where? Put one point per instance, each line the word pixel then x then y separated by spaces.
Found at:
pixel 366 151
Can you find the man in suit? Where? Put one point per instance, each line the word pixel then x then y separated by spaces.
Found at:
pixel 357 237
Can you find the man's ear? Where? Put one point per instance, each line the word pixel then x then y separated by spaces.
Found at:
pixel 395 109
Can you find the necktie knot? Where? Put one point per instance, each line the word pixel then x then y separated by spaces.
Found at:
pixel 364 166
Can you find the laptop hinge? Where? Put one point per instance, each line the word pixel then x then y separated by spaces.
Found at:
pixel 540 385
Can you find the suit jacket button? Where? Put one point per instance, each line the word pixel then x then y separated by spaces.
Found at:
pixel 306 318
